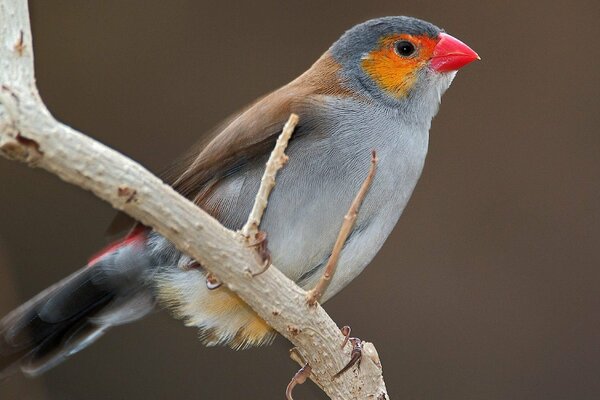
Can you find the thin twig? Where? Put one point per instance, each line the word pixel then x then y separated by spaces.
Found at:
pixel 315 294
pixel 277 159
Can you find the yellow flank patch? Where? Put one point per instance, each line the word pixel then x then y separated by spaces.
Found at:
pixel 254 333
pixel 392 72
pixel 223 318
pixel 219 301
pixel 222 303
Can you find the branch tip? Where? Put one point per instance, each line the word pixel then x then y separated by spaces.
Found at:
pixel 314 295
pixel 276 161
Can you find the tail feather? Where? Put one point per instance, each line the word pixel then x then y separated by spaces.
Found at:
pixel 59 346
pixel 75 312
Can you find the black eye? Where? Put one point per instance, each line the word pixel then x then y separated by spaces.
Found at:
pixel 405 48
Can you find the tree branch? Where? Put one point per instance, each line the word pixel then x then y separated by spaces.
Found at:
pixel 315 294
pixel 30 134
pixel 276 160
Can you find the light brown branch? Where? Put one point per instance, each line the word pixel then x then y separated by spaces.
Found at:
pixel 30 134
pixel 277 159
pixel 315 294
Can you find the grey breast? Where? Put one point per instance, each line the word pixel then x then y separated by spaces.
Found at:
pixel 328 162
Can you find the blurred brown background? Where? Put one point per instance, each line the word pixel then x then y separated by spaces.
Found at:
pixel 488 287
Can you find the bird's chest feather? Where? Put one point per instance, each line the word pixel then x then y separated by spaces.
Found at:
pixel 337 169
pixel 327 164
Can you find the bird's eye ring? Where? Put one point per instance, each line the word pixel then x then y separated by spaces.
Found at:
pixel 404 48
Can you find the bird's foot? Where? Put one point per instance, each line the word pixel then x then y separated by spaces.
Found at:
pixel 260 244
pixel 356 353
pixel 212 282
pixel 299 378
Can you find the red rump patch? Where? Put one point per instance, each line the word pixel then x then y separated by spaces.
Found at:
pixel 136 236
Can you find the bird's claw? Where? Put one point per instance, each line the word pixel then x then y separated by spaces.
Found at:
pixel 260 244
pixel 212 282
pixel 346 330
pixel 355 355
pixel 299 378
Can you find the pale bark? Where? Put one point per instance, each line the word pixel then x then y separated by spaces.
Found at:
pixel 30 134
pixel 276 161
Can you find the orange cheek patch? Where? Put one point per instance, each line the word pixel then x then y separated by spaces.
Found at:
pixel 393 73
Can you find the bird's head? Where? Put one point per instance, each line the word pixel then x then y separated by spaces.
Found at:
pixel 400 60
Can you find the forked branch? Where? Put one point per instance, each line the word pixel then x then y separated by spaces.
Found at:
pixel 30 134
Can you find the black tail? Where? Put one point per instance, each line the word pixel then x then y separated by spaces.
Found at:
pixel 73 313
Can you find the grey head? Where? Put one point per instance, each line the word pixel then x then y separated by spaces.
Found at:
pixel 388 60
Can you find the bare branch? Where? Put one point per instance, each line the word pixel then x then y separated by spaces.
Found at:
pixel 315 294
pixel 277 159
pixel 29 133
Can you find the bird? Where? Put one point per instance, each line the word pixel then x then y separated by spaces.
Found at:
pixel 377 88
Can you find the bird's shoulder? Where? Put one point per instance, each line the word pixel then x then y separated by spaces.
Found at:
pixel 250 133
pixel 253 131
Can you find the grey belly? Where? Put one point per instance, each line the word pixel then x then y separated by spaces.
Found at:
pixel 314 191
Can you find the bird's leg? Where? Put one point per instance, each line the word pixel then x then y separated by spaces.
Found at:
pixel 356 353
pixel 299 378
pixel 260 243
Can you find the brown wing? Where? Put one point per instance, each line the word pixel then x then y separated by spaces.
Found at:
pixel 248 135
pixel 252 132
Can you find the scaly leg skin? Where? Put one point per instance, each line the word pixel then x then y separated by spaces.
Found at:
pixel 261 245
pixel 356 353
pixel 299 378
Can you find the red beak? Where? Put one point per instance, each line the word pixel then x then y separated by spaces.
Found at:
pixel 450 54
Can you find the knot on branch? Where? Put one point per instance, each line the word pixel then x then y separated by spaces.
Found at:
pixel 128 193
pixel 17 147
